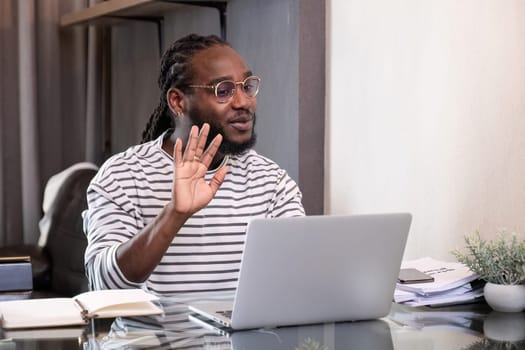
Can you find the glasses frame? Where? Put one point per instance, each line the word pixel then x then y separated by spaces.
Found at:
pixel 216 85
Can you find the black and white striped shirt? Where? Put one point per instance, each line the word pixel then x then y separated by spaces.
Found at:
pixel 132 187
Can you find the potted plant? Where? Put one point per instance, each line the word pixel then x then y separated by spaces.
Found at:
pixel 501 263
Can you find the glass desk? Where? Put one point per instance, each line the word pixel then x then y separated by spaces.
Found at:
pixel 471 327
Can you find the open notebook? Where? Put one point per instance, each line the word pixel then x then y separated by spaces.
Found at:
pixel 56 312
pixel 314 269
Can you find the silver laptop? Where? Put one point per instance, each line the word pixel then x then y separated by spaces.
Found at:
pixel 314 269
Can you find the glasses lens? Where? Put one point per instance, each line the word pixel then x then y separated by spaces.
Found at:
pixel 251 86
pixel 224 90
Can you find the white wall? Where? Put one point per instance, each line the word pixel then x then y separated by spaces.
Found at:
pixel 426 113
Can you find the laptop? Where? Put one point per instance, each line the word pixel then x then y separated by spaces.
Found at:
pixel 313 269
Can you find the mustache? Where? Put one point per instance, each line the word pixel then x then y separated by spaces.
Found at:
pixel 242 117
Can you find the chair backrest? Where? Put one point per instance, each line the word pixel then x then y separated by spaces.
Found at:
pixel 66 241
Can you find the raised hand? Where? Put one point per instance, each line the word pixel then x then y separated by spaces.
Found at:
pixel 191 192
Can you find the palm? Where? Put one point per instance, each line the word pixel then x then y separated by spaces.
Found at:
pixel 191 191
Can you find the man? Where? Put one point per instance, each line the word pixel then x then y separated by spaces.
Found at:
pixel 170 214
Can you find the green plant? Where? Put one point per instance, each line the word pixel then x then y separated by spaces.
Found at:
pixel 499 261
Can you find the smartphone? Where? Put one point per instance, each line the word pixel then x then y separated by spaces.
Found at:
pixel 411 275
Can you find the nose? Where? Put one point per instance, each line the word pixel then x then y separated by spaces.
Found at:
pixel 240 99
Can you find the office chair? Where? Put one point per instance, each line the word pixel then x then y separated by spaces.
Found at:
pixel 58 259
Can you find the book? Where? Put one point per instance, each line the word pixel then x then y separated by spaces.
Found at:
pixel 16 274
pixel 61 312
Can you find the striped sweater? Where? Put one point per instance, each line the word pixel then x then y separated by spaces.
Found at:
pixel 132 187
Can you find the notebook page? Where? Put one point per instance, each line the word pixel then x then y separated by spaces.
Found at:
pixel 32 313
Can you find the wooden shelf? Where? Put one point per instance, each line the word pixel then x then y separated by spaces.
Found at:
pixel 113 11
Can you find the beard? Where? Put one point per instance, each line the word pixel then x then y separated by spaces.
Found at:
pixel 227 146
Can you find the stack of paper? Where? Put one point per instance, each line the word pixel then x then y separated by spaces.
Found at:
pixel 454 283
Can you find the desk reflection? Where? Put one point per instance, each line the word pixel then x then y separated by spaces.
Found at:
pixel 461 327
pixel 364 335
pixel 502 330
pixel 174 330
pixel 435 329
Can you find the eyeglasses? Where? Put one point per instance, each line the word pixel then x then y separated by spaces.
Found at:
pixel 224 90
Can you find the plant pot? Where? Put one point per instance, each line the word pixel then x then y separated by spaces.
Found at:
pixel 505 298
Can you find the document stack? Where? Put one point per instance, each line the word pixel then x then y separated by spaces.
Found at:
pixel 454 283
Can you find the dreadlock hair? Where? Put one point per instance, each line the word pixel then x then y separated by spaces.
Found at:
pixel 175 71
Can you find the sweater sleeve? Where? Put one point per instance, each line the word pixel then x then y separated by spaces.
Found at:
pixel 109 221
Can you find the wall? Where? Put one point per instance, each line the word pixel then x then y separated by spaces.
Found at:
pixel 426 114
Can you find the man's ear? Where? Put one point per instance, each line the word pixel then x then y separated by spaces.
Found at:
pixel 176 101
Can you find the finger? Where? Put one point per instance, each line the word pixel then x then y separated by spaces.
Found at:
pixel 218 179
pixel 212 149
pixel 203 137
pixel 177 152
pixel 191 145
